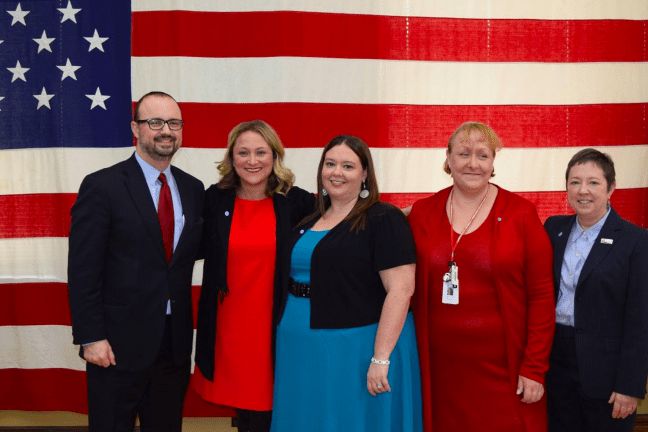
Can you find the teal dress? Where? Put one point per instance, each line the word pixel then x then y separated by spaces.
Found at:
pixel 321 374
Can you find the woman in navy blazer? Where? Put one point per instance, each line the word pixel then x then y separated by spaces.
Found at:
pixel 599 360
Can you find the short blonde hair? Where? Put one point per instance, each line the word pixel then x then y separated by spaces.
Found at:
pixel 494 142
pixel 281 179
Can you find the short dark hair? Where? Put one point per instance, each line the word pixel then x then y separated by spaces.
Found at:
pixel 602 160
pixel 149 94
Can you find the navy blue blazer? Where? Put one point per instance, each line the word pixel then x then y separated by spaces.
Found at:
pixel 610 306
pixel 118 279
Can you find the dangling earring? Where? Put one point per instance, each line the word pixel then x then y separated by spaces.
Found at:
pixel 364 193
pixel 324 193
pixel 493 173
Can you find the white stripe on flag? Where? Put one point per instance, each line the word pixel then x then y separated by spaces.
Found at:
pixel 399 170
pixel 44 260
pixel 39 347
pixel 477 9
pixel 42 347
pixel 333 80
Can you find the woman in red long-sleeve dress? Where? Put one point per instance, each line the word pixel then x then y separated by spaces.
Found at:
pixel 483 304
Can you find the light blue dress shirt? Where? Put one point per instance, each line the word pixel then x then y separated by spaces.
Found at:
pixel 579 245
pixel 154 184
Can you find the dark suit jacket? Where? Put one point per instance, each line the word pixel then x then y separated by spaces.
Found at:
pixel 118 278
pixel 610 306
pixel 219 210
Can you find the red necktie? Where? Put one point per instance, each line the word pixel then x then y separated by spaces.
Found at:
pixel 165 215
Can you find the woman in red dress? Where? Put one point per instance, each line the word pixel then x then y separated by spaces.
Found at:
pixel 247 214
pixel 483 304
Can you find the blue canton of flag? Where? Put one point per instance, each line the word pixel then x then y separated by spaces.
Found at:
pixel 65 74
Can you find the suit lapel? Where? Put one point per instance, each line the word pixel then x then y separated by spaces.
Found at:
pixel 611 230
pixel 560 244
pixel 224 217
pixel 188 207
pixel 139 191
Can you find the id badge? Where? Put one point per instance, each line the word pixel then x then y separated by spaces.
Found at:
pixel 450 293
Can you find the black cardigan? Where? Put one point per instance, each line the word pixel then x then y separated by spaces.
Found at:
pixel 346 288
pixel 218 211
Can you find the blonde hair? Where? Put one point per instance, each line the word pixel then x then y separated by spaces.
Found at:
pixel 281 179
pixel 494 142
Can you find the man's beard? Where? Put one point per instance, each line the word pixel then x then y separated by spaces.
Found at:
pixel 159 154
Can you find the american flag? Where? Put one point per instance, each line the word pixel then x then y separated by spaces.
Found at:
pixel 549 76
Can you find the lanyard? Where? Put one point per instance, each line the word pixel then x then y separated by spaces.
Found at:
pixel 452 232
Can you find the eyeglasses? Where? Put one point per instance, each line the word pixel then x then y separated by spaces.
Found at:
pixel 157 124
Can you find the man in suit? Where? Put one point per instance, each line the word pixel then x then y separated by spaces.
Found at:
pixel 599 361
pixel 136 228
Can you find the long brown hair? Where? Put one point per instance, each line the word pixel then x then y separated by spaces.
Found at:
pixel 358 215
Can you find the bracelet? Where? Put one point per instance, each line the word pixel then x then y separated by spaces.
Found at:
pixel 380 362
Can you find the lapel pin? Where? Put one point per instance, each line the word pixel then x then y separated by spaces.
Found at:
pixel 226 213
pixel 560 234
pixel 606 241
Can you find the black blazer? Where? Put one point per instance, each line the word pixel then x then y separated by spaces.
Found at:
pixel 219 209
pixel 118 278
pixel 610 306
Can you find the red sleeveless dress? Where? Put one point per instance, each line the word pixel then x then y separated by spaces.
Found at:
pixel 243 374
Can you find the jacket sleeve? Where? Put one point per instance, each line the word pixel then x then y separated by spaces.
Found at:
pixel 541 308
pixel 88 242
pixel 632 369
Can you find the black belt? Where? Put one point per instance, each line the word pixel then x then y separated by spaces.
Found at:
pixel 299 289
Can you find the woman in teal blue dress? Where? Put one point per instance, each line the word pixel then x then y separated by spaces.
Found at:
pixel 346 357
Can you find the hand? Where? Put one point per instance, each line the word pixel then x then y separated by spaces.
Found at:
pixel 377 375
pixel 99 353
pixel 623 405
pixel 530 390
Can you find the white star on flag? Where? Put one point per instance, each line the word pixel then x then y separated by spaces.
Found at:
pixel 1 97
pixel 44 42
pixel 68 13
pixel 68 70
pixel 97 99
pixel 43 99
pixel 96 41
pixel 18 72
pixel 18 15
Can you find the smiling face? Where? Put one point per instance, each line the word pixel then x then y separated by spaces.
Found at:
pixel 342 174
pixel 253 160
pixel 157 145
pixel 588 192
pixel 470 161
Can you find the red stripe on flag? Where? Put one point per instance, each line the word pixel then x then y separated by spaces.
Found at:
pixel 44 390
pixel 65 390
pixel 303 125
pixel 18 307
pixel 35 215
pixel 309 34
pixel 548 204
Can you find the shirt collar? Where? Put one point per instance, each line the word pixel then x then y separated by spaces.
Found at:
pixel 151 173
pixel 592 232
